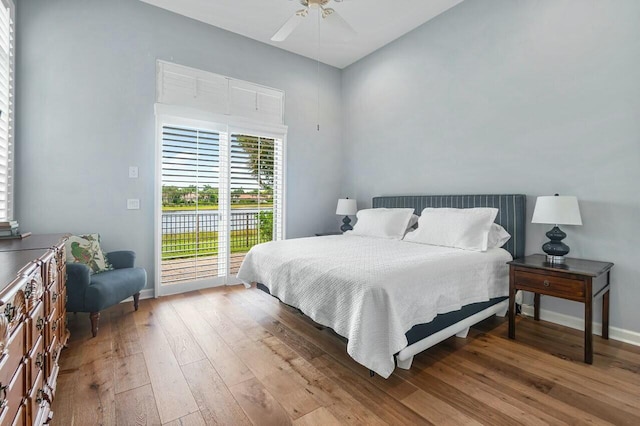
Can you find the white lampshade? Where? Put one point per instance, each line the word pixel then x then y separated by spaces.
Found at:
pixel 557 210
pixel 346 207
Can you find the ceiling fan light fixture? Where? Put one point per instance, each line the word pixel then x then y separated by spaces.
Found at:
pixel 314 4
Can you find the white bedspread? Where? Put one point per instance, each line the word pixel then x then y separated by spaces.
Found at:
pixel 372 290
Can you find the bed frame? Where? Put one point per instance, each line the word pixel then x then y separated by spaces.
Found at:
pixel 511 216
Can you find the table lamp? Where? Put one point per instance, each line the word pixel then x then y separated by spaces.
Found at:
pixel 346 207
pixel 556 210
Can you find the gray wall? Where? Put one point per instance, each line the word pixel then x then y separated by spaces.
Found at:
pixel 86 90
pixel 512 96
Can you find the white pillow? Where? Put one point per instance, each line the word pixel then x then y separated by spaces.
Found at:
pixel 498 236
pixel 382 223
pixel 461 228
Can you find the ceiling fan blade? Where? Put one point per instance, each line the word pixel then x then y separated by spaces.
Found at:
pixel 334 20
pixel 291 24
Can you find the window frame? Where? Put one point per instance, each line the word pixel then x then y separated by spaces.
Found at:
pixel 9 211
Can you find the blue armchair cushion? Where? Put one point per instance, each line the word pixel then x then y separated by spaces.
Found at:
pixel 111 287
pixel 121 259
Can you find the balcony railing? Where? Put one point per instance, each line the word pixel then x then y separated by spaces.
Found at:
pixel 190 242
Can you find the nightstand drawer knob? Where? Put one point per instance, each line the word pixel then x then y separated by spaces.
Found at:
pixel 546 283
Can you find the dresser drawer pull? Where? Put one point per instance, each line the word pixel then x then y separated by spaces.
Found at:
pixel 40 324
pixel 9 311
pixel 546 283
pixel 54 326
pixel 39 362
pixel 3 395
pixel 28 289
pixel 54 297
pixel 41 396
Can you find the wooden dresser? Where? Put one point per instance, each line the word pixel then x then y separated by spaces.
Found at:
pixel 32 326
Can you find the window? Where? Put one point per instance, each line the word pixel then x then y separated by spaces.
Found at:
pixel 7 46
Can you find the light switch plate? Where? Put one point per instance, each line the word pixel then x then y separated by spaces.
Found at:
pixel 133 171
pixel 133 204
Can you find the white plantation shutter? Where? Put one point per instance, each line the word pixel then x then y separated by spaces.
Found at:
pixel 278 190
pixel 256 178
pixel 192 159
pixel 178 85
pixel 7 45
pixel 202 90
pixel 255 102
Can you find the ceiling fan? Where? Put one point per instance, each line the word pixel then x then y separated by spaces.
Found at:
pixel 328 14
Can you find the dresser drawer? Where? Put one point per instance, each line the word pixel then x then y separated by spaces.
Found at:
pixel 12 357
pixel 37 398
pixel 52 327
pixel 14 392
pixel 51 299
pixel 36 325
pixel 61 255
pixel 21 416
pixel 567 288
pixel 49 268
pixel 62 301
pixel 51 357
pixel 63 333
pixel 14 306
pixel 35 362
pixel 34 287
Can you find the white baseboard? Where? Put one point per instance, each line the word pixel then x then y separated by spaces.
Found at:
pixel 145 293
pixel 615 333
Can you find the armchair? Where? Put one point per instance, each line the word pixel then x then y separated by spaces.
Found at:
pixel 93 293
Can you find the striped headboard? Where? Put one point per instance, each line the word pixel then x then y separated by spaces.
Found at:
pixel 511 211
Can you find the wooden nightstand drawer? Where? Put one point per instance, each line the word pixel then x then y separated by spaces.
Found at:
pixel 551 285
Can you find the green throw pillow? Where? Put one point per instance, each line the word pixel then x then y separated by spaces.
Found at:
pixel 86 249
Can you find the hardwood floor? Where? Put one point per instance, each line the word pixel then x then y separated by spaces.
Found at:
pixel 234 356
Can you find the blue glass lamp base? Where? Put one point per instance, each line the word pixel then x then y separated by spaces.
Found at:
pixel 346 224
pixel 555 248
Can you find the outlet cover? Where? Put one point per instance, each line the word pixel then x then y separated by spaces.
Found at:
pixel 133 172
pixel 133 204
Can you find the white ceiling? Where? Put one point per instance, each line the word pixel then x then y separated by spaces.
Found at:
pixel 377 22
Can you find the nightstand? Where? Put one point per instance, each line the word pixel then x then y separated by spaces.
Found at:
pixel 323 234
pixel 577 279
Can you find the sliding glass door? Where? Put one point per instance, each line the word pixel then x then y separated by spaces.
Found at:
pixel 190 239
pixel 221 193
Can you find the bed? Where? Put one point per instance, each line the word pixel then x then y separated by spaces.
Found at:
pixel 392 299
